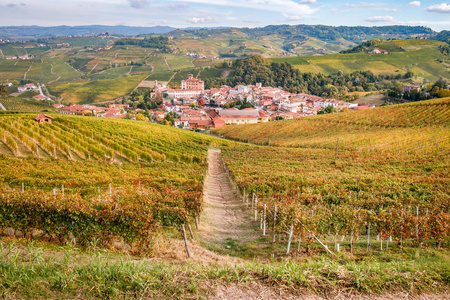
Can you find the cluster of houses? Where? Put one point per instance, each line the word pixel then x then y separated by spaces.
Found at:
pixel 22 57
pixel 113 111
pixel 269 104
pixel 379 51
pixel 196 55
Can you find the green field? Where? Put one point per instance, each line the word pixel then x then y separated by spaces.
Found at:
pixel 21 104
pixel 423 59
pixel 65 70
pixel 95 91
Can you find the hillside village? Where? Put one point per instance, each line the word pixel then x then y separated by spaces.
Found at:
pixel 198 108
pixel 266 103
pixel 193 107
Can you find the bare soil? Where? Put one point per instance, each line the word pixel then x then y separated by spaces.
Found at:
pixel 225 217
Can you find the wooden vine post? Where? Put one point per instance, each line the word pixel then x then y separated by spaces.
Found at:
pixel 256 209
pixel 368 237
pixel 264 221
pixel 185 240
pixel 274 223
pixel 290 238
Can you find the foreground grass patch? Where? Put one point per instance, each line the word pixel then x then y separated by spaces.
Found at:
pixel 37 271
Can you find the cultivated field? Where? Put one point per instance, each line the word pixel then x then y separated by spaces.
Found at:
pixel 424 60
pixel 299 218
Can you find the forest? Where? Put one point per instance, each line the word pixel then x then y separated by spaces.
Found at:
pixel 159 42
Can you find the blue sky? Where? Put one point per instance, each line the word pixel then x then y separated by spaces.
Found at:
pixel 236 13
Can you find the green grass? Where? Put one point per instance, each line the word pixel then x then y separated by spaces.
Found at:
pixel 39 272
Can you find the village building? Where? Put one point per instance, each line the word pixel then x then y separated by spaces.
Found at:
pixel 191 83
pixel 42 118
pixel 41 97
pixel 411 87
pixel 234 116
pixel 27 87
pixel 379 51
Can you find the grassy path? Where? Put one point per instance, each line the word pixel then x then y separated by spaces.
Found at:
pixel 225 225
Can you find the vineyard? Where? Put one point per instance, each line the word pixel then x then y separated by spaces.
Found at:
pixel 21 104
pixel 416 128
pixel 85 180
pixel 382 174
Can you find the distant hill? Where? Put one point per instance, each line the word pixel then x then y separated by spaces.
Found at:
pixel 26 32
pixel 425 58
pixel 280 40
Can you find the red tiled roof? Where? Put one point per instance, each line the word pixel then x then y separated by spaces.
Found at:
pixel 43 116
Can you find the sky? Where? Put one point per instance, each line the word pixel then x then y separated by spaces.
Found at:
pixel 231 13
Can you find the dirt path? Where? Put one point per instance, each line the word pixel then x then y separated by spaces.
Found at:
pixel 53 73
pixel 225 73
pixel 115 57
pixel 167 63
pixel 29 69
pixel 225 219
pixel 172 77
pixel 315 68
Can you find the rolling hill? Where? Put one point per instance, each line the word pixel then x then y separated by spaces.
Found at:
pixel 418 127
pixel 423 57
pixel 105 203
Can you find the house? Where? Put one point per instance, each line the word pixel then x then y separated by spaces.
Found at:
pixel 6 84
pixel 411 87
pixel 378 51
pixel 27 87
pixel 41 97
pixel 42 118
pixel 58 105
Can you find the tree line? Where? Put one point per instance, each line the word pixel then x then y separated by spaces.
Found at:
pixel 160 42
pixel 255 69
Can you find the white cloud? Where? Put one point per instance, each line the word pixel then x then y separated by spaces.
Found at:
pixel 414 3
pixel 381 19
pixel 138 3
pixel 181 5
pixel 201 20
pixel 283 6
pixel 364 4
pixel 311 2
pixel 443 8
pixel 392 9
